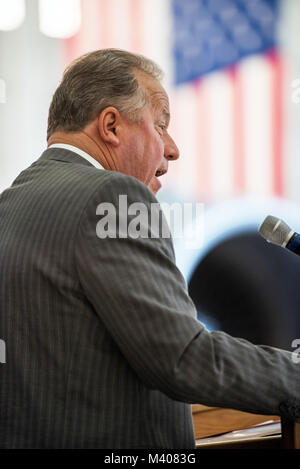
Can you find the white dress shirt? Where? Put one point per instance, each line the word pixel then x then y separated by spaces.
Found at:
pixel 79 152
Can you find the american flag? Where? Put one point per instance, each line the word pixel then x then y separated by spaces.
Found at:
pixel 225 78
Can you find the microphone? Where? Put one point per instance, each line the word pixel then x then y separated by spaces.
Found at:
pixel 276 231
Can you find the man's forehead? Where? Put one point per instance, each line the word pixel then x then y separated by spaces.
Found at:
pixel 155 91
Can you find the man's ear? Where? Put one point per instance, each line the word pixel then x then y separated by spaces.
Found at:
pixel 109 121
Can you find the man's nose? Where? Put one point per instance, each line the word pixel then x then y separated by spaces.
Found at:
pixel 171 152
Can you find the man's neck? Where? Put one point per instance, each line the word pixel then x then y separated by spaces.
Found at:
pixel 87 143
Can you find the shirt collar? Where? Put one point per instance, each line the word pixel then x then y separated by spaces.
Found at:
pixel 79 152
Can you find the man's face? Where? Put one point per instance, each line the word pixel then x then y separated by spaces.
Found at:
pixel 148 146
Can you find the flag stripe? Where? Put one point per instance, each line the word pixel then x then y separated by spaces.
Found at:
pixel 256 84
pixel 220 121
pixel 186 117
pixel 201 130
pixel 119 24
pixel 136 18
pixel 277 121
pixel 239 176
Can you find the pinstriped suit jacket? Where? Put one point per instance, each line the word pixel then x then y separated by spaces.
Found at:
pixel 102 346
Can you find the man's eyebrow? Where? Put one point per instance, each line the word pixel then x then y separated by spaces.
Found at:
pixel 166 115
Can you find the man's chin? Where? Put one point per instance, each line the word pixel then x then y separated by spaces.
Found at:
pixel 154 185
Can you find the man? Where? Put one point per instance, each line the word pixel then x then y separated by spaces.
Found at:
pixel 103 346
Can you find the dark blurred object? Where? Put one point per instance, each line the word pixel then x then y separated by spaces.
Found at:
pixel 250 289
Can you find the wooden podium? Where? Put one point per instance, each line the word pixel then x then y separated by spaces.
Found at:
pixel 217 428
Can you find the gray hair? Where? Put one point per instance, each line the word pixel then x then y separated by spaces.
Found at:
pixel 95 81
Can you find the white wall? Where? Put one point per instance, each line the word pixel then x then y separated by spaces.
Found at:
pixel 31 66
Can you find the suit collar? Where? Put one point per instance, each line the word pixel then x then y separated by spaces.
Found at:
pixel 79 152
pixel 68 156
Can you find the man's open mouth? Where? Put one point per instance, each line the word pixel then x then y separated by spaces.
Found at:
pixel 160 172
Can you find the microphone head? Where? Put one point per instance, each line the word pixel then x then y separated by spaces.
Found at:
pixel 275 231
